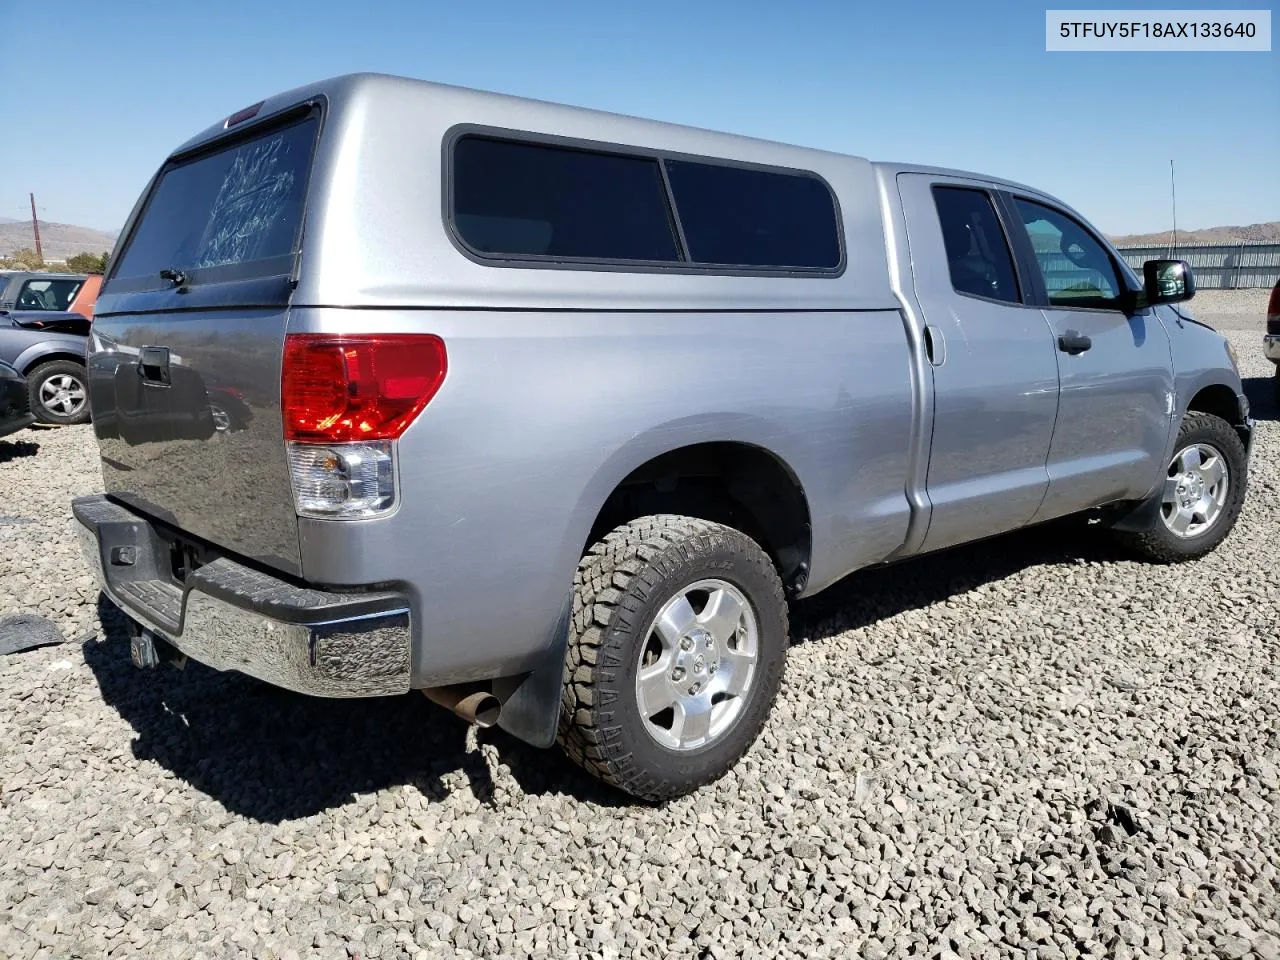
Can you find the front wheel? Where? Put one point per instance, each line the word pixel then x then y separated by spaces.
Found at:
pixel 1201 495
pixel 676 652
pixel 58 392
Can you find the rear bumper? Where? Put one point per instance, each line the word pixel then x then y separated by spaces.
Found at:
pixel 1271 347
pixel 231 617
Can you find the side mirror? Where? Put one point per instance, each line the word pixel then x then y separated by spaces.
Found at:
pixel 1168 281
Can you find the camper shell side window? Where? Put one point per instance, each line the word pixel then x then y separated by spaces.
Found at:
pixel 528 200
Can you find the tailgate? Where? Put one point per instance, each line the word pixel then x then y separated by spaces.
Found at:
pixel 188 338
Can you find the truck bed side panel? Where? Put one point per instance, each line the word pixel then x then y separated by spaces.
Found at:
pixel 543 413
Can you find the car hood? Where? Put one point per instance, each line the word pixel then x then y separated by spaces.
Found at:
pixel 51 320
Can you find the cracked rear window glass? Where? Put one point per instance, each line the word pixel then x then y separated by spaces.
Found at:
pixel 240 205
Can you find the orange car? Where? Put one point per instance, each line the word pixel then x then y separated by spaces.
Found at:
pixel 86 297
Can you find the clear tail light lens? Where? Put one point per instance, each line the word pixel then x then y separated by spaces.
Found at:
pixel 342 481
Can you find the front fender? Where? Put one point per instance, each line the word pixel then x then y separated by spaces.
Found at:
pixel 1201 359
pixel 46 346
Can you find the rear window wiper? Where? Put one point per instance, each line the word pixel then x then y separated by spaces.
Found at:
pixel 177 277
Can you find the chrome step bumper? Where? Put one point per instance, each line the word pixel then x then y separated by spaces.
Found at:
pixel 232 617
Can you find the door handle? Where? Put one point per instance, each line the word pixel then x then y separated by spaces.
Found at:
pixel 153 365
pixel 935 345
pixel 1072 342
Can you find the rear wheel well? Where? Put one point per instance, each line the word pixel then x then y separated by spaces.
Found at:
pixel 736 484
pixel 49 358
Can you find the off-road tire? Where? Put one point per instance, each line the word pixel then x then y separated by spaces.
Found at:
pixel 621 584
pixel 37 377
pixel 1158 544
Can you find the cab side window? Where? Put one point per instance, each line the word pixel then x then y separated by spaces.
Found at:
pixel 1077 270
pixel 978 254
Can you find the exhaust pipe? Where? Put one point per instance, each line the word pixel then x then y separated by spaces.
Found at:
pixel 479 707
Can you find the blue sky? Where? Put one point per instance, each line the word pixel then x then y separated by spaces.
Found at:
pixel 957 84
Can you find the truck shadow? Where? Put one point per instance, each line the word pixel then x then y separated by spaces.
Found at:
pixel 869 596
pixel 272 755
pixel 1261 392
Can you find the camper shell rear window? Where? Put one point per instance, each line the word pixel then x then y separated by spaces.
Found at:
pixel 535 201
pixel 231 212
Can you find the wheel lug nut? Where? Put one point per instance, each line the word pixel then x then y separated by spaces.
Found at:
pixel 677 674
pixel 686 643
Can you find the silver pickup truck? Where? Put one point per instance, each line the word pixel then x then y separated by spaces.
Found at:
pixel 547 412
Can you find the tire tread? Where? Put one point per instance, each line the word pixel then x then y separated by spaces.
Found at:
pixel 38 374
pixel 1157 544
pixel 613 580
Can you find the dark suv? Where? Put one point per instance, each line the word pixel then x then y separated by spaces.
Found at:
pixel 45 343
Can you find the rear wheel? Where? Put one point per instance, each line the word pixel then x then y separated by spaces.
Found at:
pixel 1276 384
pixel 676 652
pixel 1201 495
pixel 58 392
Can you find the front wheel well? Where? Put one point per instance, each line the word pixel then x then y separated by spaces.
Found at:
pixel 50 358
pixel 1217 399
pixel 737 484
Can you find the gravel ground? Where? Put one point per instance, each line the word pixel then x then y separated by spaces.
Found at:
pixel 1232 310
pixel 1030 748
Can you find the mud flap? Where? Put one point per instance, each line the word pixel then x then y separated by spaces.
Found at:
pixel 1141 517
pixel 531 711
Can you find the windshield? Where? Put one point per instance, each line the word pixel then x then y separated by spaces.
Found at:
pixel 240 206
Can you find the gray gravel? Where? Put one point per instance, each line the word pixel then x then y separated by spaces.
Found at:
pixel 1232 309
pixel 1030 747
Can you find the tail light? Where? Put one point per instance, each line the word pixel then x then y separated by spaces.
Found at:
pixel 346 400
pixel 1273 311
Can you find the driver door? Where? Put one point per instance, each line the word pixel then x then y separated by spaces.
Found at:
pixel 1114 366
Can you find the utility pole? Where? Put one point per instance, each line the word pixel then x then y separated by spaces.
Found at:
pixel 1173 199
pixel 35 227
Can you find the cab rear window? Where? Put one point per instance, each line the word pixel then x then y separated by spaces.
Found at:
pixel 232 213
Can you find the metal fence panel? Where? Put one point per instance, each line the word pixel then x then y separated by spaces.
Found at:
pixel 1218 266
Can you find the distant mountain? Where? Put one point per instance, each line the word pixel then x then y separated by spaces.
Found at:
pixel 1257 232
pixel 58 240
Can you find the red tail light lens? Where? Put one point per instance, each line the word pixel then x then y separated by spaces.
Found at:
pixel 336 389
pixel 1273 311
